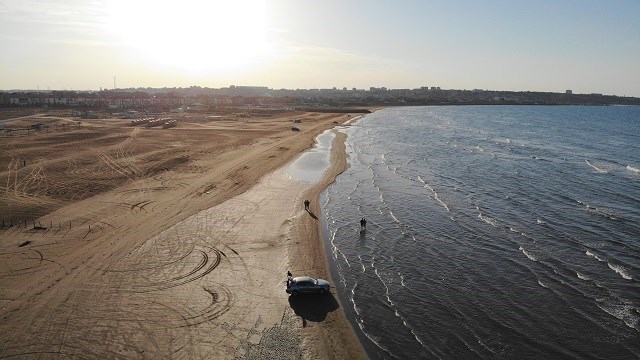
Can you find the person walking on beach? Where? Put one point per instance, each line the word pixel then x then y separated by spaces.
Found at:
pixel 363 224
pixel 306 204
pixel 289 278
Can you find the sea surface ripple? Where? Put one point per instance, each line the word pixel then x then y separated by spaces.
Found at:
pixel 494 232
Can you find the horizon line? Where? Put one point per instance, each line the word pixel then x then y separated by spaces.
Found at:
pixel 382 88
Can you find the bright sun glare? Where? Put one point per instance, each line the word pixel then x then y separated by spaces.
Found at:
pixel 193 35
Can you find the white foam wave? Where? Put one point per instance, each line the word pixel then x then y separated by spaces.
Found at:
pixel 337 252
pixel 353 301
pixel 394 217
pixel 401 279
pixel 540 221
pixel 373 339
pixel 590 254
pixel 364 269
pixel 620 270
pixel 519 232
pixel 388 295
pixel 489 220
pixel 634 169
pixel 604 212
pixel 360 322
pixel 595 167
pixel 527 254
pixel 582 277
pixel 624 312
pixel 435 194
pixel 406 325
pixel 542 284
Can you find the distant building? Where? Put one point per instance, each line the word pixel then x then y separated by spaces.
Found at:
pixel 568 92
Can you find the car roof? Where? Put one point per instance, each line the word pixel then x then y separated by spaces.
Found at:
pixel 302 278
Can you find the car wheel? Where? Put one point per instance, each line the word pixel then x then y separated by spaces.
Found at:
pixel 321 292
pixel 294 292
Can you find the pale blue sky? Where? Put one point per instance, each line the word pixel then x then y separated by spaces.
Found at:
pixel 544 45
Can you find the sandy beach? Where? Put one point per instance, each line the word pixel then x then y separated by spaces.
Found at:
pixel 122 241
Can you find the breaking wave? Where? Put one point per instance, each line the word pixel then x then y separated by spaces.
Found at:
pixel 620 270
pixel 635 170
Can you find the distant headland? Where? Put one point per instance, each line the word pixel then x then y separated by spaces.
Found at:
pixel 206 98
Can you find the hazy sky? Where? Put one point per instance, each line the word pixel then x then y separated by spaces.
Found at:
pixel 543 45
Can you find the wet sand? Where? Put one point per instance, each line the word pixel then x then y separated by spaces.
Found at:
pixel 188 262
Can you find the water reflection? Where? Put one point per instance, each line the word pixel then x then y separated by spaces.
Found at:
pixel 311 165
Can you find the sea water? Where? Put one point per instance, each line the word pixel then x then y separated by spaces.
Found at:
pixel 493 232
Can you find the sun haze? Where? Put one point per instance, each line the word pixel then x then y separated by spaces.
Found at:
pixel 546 45
pixel 197 36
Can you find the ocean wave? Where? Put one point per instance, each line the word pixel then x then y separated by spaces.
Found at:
pixel 542 284
pixel 388 295
pixel 590 254
pixel 489 220
pixel 634 169
pixel 519 232
pixel 600 211
pixel 410 328
pixel 361 324
pixel 364 269
pixel 375 340
pixel 394 217
pixel 600 170
pixel 336 251
pixel 527 254
pixel 353 299
pixel 435 194
pixel 620 270
pixel 624 312
pixel 582 277
pixel 540 221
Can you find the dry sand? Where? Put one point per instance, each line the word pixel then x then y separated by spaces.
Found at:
pixel 174 243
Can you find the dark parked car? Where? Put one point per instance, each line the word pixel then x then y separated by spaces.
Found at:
pixel 306 284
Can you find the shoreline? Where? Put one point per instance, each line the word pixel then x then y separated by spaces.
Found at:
pixel 335 337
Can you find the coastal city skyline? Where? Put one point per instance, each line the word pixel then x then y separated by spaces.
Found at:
pixel 547 46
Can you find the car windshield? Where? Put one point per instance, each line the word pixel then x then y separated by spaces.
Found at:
pixel 305 281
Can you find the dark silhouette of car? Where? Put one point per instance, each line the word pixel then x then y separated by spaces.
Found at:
pixel 307 284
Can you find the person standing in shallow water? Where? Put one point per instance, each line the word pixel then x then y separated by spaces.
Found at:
pixel 363 224
pixel 306 204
